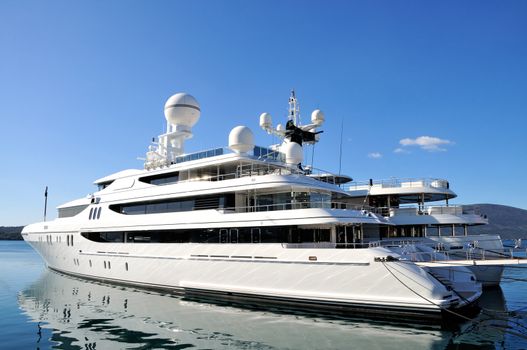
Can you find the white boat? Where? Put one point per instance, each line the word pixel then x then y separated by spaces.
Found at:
pixel 245 222
pixel 423 230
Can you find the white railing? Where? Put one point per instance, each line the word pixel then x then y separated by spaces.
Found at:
pixel 295 205
pixel 432 210
pixel 331 245
pixel 442 252
pixel 398 183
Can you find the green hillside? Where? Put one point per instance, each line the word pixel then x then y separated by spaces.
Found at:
pixel 10 232
pixel 509 222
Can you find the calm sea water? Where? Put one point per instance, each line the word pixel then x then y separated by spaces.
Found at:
pixel 42 309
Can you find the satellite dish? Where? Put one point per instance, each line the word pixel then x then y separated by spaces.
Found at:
pixel 293 152
pixel 182 109
pixel 241 139
pixel 317 117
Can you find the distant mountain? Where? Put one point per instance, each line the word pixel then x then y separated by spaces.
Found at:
pixel 509 222
pixel 10 232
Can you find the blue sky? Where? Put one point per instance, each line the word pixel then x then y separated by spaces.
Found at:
pixel 83 84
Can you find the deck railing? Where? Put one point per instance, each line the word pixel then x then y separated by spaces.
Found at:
pixel 440 251
pixel 398 183
pixel 331 245
pixel 297 205
pixel 431 210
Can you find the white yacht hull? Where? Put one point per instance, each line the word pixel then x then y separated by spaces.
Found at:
pixel 333 278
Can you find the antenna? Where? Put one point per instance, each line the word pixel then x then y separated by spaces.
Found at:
pixel 340 146
pixel 294 134
pixel 182 111
pixel 294 109
pixel 312 155
pixel 45 202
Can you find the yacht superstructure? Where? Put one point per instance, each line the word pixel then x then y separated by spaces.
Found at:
pixel 438 228
pixel 246 222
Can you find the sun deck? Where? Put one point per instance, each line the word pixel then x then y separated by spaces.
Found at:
pixel 411 190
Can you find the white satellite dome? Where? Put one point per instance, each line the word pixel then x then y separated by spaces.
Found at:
pixel 182 109
pixel 317 117
pixel 293 152
pixel 266 121
pixel 241 139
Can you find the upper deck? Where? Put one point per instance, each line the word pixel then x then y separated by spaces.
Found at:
pixel 410 190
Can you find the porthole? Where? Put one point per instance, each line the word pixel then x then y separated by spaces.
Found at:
pixel 105 264
pixel 90 262
pixel 126 266
pixel 109 266
pixel 71 240
pixel 91 213
pixel 99 213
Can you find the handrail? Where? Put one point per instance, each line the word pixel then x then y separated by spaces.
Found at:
pixel 436 209
pixel 441 250
pixel 399 182
pixel 297 205
pixel 330 245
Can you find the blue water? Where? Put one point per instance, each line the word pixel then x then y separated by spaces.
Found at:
pixel 42 310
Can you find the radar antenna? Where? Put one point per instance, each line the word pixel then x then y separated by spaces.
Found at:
pixel 294 109
pixel 294 131
pixel 294 134
pixel 182 111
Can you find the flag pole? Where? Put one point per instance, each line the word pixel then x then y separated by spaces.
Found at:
pixel 45 202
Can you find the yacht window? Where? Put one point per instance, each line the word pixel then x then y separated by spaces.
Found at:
pixel 99 213
pixel 71 211
pixel 91 212
pixel 244 235
pixel 104 236
pixel 103 185
pixel 234 235
pixel 71 240
pixel 176 205
pixel 271 234
pixel 161 179
pixel 224 235
pixel 256 235
pixel 126 266
pixel 104 264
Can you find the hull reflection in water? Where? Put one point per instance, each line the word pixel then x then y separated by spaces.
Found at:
pixel 489 329
pixel 92 315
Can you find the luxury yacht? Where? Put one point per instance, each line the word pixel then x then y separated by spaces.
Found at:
pixel 243 222
pixel 431 232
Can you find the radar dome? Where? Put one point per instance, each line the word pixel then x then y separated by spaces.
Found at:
pixel 293 152
pixel 241 139
pixel 317 117
pixel 265 121
pixel 182 109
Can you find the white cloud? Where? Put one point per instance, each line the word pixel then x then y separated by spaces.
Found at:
pixel 374 155
pixel 427 143
pixel 400 150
